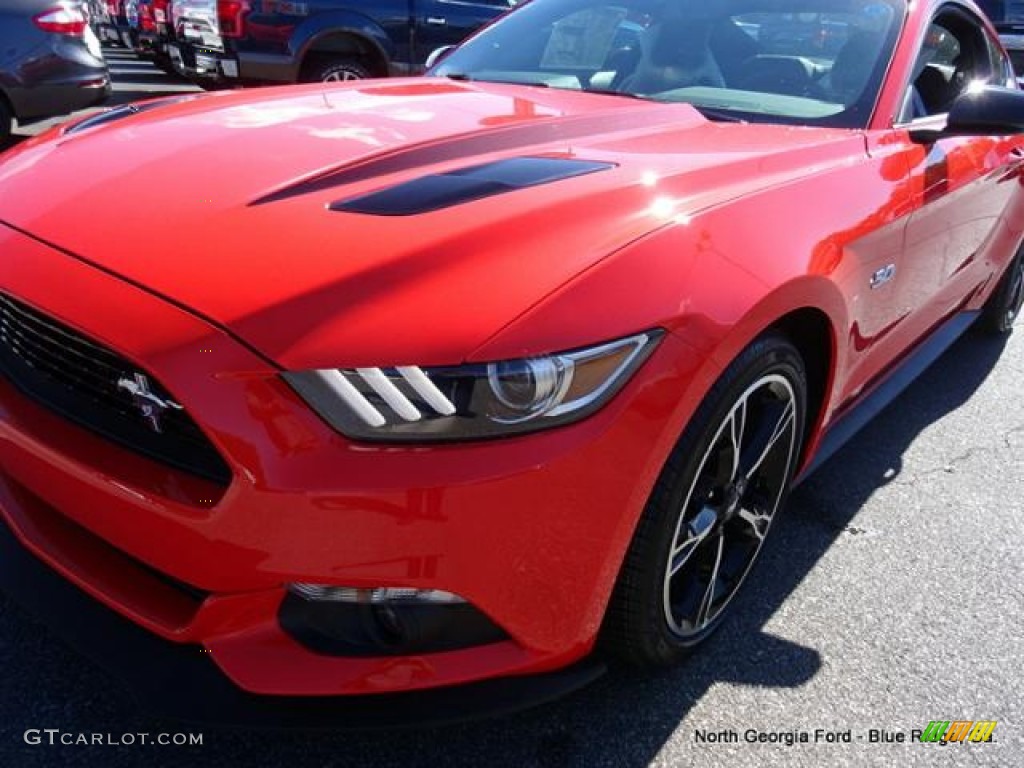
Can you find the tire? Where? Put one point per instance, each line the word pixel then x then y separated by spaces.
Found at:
pixel 703 517
pixel 1004 305
pixel 165 65
pixel 335 70
pixel 6 123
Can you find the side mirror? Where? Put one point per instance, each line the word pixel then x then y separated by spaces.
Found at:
pixel 437 54
pixel 981 110
pixel 990 110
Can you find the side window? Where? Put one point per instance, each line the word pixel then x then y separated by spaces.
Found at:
pixel 1002 67
pixel 956 52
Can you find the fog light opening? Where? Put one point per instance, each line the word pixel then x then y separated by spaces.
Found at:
pixel 382 621
pixel 392 628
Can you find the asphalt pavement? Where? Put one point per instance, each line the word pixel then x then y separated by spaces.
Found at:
pixel 890 595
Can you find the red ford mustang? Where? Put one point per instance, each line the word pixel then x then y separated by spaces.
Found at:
pixel 458 379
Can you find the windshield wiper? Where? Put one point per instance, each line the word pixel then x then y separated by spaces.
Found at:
pixel 717 115
pixel 613 92
pixel 462 77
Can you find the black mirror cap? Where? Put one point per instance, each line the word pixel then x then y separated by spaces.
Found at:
pixel 987 110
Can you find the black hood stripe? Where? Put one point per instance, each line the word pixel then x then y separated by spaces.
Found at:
pixel 452 148
pixel 443 190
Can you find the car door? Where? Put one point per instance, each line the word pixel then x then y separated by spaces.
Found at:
pixel 448 22
pixel 928 246
pixel 961 184
pixel 947 197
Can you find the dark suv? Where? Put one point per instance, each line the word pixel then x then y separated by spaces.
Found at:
pixel 1008 18
pixel 50 62
pixel 288 41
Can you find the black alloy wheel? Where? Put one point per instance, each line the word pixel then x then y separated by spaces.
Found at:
pixel 711 509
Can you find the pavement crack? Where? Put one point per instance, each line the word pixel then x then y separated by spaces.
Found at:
pixel 1003 441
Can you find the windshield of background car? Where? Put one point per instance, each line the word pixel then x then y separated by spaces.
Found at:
pixel 808 62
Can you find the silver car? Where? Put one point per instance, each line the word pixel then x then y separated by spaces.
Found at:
pixel 50 62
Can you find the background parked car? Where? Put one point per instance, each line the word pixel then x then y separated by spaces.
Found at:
pixel 1008 18
pixel 163 34
pixel 111 22
pixel 289 41
pixel 143 29
pixel 50 61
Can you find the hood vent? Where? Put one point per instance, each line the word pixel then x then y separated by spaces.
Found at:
pixel 443 190
pixel 126 110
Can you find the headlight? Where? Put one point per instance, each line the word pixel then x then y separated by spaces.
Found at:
pixel 413 404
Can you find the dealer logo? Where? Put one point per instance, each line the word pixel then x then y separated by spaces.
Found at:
pixel 958 731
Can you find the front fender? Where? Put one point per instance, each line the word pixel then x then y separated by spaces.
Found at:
pixel 715 305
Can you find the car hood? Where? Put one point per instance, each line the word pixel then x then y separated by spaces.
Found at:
pixel 223 204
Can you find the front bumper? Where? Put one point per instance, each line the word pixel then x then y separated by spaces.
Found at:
pixel 65 77
pixel 202 63
pixel 224 64
pixel 531 531
pixel 179 680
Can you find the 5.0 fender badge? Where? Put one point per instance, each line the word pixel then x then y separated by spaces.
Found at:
pixel 150 406
pixel 883 275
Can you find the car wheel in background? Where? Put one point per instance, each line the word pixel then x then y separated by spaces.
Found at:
pixel 335 70
pixel 165 65
pixel 1004 306
pixel 711 509
pixel 6 122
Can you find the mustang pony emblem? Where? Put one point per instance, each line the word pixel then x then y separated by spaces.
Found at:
pixel 151 406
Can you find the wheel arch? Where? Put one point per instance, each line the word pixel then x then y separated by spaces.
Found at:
pixel 346 42
pixel 810 330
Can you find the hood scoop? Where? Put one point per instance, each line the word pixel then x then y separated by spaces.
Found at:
pixel 443 190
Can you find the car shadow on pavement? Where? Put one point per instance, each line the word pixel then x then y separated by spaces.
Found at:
pixel 624 719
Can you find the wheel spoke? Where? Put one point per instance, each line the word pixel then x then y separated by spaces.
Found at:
pixel 694 532
pixel 773 426
pixel 758 521
pixel 681 556
pixel 737 426
pixel 709 594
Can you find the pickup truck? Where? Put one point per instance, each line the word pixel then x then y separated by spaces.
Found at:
pixel 288 41
pixel 1007 16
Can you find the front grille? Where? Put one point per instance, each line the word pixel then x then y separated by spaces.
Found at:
pixel 62 370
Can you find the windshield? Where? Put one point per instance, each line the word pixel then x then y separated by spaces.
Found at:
pixel 810 62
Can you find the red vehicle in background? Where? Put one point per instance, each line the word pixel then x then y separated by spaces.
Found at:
pixel 161 12
pixel 143 29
